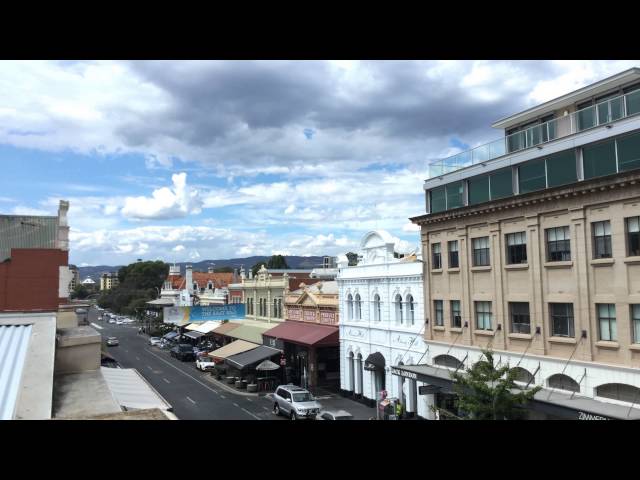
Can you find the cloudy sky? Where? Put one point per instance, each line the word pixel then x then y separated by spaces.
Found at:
pixel 202 160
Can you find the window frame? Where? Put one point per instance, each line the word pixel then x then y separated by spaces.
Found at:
pixel 610 320
pixel 484 313
pixel 453 313
pixel 479 254
pixel 438 313
pixel 453 264
pixel 628 238
pixel 564 317
pixel 606 240
pixel 635 323
pixel 565 255
pixel 512 314
pixel 436 257
pixel 516 253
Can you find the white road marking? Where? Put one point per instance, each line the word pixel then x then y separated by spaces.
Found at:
pixel 236 405
pixel 249 400
pixel 97 326
pixel 266 408
pixel 193 378
pixel 166 380
pixel 137 358
pixel 191 400
pixel 149 367
pixel 248 412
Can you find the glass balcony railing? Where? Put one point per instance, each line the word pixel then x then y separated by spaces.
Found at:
pixel 596 115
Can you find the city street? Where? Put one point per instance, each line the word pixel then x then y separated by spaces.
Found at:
pixel 187 389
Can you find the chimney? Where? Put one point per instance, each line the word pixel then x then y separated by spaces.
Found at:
pixel 63 226
pixel 210 270
pixel 250 274
pixel 189 278
pixel 242 273
pixel 235 276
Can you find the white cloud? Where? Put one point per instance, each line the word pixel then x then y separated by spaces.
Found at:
pixel 290 209
pixel 165 203
pixel 410 227
pixel 178 248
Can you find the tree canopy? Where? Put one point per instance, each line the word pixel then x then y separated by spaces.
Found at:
pixel 275 262
pixel 487 391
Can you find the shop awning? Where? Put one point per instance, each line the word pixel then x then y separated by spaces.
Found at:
pixel 131 390
pixel 171 335
pixel 194 335
pixel 250 357
pixel 250 333
pixel 305 333
pixel 205 327
pixel 192 327
pixel 375 361
pixel 233 348
pixel 161 302
pixel 225 328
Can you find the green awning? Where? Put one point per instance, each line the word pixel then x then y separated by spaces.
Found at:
pixel 250 333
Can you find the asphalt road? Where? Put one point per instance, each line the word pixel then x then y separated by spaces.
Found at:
pixel 192 396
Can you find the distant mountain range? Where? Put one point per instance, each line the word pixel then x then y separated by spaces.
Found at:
pixel 294 262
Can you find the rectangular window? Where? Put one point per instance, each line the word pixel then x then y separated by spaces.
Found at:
pixel 629 152
pixel 635 323
pixel 532 176
pixel 483 315
pixel 633 236
pixel 478 190
pixel 558 244
pixel 561 168
pixel 561 319
pixel 632 101
pixel 439 313
pixel 438 200
pixel 481 251
pixel 516 248
pixel 607 321
pixel 436 257
pixel 601 239
pixel 453 254
pixel 586 117
pixel 599 160
pixel 455 198
pixel 520 321
pixel 501 183
pixel 456 316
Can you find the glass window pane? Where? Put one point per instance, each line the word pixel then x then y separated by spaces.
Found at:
pixel 479 190
pixel 599 160
pixel 501 184
pixel 438 200
pixel 629 152
pixel 586 118
pixel 454 195
pixel 633 225
pixel 616 108
pixel 633 102
pixel 532 176
pixel 561 168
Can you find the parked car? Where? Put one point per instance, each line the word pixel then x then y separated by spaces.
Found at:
pixel 183 352
pixel 155 341
pixel 295 402
pixel 112 341
pixel 205 363
pixel 111 320
pixel 335 415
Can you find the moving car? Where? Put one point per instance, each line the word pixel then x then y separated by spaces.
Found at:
pixel 111 320
pixel 155 341
pixel 295 402
pixel 112 341
pixel 205 363
pixel 335 415
pixel 183 352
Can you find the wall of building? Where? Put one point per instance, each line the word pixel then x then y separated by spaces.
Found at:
pixel 29 280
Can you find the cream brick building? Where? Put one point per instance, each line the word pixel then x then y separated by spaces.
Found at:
pixel 533 249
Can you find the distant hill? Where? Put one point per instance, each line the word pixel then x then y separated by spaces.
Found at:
pixel 294 262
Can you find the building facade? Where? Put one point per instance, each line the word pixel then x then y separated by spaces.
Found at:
pixel 108 280
pixel 535 252
pixel 381 321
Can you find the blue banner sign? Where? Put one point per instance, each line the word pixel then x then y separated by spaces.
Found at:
pixel 184 315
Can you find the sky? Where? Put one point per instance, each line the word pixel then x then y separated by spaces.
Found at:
pixel 196 160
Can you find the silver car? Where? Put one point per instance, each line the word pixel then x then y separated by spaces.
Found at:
pixel 295 402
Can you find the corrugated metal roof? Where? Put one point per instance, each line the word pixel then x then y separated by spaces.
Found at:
pixel 131 390
pixel 14 342
pixel 23 231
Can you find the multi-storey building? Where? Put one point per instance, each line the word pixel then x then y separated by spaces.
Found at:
pixel 532 248
pixel 381 321
pixel 75 277
pixel 108 281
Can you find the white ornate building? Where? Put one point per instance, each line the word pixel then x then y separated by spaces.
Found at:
pixel 381 321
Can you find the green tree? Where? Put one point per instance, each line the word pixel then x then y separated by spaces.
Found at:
pixel 487 392
pixel 353 259
pixel 223 270
pixel 257 267
pixel 277 262
pixel 80 292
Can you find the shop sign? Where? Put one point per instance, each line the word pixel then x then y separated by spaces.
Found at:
pixel 590 416
pixel 404 373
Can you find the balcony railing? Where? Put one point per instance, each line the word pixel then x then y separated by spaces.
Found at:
pixel 594 116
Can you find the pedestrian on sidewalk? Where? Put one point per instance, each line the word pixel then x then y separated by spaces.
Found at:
pixel 399 410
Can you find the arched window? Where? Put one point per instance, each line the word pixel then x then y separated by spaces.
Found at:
pixel 352 382
pixel 349 307
pixel 358 307
pixel 447 361
pixel 360 374
pixel 523 375
pixel 410 310
pixel 376 308
pixel 563 382
pixel 398 304
pixel 619 391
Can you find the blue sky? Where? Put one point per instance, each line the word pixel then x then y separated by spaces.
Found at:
pixel 201 160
